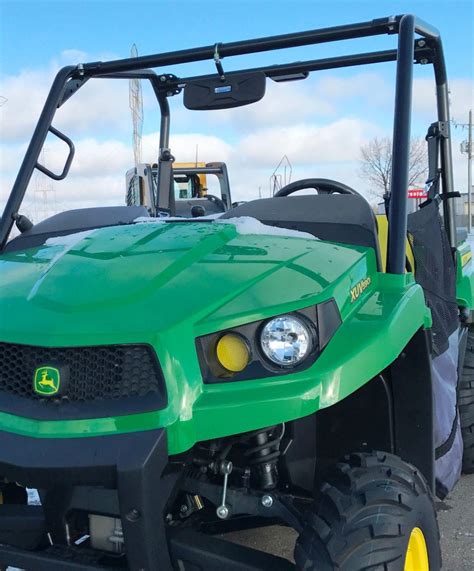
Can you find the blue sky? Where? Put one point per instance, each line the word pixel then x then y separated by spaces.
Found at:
pixel 35 32
pixel 319 123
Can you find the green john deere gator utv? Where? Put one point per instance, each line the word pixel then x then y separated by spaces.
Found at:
pixel 168 379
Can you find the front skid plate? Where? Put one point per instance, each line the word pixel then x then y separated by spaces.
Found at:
pixel 189 551
pixel 131 463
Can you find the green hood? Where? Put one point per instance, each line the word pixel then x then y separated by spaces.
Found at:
pixel 167 283
pixel 128 283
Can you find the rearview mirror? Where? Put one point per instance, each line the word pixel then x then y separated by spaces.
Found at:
pixel 217 93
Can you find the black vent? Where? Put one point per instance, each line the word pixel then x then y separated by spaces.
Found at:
pixel 101 380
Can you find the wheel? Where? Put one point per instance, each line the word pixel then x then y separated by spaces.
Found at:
pixel 466 405
pixel 375 512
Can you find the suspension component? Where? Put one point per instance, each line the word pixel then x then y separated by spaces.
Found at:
pixel 263 455
pixel 225 468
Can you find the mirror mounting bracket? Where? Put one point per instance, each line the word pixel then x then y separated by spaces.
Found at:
pixel 167 83
pixel 218 62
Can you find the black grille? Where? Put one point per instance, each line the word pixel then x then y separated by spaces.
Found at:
pixel 102 380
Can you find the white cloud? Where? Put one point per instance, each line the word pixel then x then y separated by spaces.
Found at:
pixel 373 88
pixel 183 147
pixel 25 95
pixel 101 158
pixel 100 104
pixel 97 175
pixel 92 157
pixel 11 156
pixel 307 144
pixel 461 98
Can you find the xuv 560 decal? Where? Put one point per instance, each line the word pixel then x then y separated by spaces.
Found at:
pixel 359 288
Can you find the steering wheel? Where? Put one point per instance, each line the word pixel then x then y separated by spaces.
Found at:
pixel 217 201
pixel 322 185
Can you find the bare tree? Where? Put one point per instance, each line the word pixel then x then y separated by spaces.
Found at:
pixel 376 164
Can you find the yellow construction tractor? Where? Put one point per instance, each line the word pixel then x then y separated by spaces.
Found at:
pixel 200 188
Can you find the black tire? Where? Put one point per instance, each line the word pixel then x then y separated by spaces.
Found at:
pixel 363 518
pixel 466 405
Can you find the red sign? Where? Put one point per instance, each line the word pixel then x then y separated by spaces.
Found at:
pixel 417 193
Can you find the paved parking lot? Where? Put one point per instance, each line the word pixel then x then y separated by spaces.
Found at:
pixel 456 520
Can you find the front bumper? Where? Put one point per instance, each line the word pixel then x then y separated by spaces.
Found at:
pixel 130 464
pixel 127 476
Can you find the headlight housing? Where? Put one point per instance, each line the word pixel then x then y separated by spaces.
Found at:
pixel 275 346
pixel 287 340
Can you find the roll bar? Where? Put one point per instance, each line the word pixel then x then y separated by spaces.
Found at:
pixel 426 48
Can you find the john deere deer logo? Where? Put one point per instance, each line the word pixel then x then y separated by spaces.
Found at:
pixel 47 381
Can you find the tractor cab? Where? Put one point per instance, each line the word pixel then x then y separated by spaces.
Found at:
pixel 198 189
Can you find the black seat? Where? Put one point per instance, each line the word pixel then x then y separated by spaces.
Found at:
pixel 347 219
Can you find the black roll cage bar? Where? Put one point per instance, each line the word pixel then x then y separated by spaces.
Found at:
pixel 427 48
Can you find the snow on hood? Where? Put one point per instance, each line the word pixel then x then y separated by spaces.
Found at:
pixel 245 225
pixel 149 219
pixel 70 240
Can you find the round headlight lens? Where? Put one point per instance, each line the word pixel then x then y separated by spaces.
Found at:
pixel 286 340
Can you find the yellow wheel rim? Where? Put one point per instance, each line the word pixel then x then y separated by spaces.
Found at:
pixel 417 553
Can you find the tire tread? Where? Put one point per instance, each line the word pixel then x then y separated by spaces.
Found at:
pixel 357 522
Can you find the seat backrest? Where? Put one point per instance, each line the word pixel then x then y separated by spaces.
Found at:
pixel 382 225
pixel 347 219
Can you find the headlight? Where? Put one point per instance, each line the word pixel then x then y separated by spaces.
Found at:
pixel 286 340
pixel 275 346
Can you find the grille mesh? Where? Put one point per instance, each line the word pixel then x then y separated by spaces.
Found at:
pixel 100 373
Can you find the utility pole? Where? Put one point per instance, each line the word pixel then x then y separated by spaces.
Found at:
pixel 469 169
pixel 466 148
